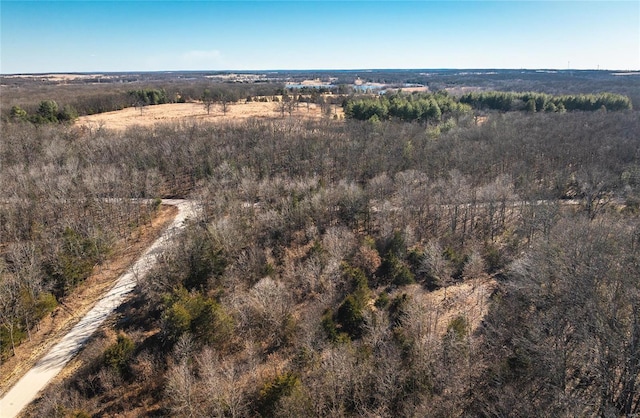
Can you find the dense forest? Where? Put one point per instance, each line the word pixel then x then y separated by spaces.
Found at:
pixel 426 108
pixel 322 276
pixel 540 102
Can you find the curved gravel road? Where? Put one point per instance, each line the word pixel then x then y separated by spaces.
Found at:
pixel 28 387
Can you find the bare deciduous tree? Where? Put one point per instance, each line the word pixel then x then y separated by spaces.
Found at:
pixel 437 268
pixel 181 391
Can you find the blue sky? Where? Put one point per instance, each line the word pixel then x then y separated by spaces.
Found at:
pixel 94 36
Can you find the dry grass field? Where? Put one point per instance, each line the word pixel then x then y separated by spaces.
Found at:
pixel 196 112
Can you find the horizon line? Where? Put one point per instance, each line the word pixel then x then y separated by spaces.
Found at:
pixel 316 70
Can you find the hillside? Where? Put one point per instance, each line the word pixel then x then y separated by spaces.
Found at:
pixel 386 267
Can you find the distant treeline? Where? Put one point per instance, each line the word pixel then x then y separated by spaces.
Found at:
pixel 539 102
pixel 48 112
pixel 25 105
pixel 427 107
pixel 144 97
pixel 416 107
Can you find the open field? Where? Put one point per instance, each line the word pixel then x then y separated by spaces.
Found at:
pixel 195 112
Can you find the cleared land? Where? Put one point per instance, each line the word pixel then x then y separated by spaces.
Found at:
pixel 195 112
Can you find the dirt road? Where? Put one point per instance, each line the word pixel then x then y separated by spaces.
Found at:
pixel 28 387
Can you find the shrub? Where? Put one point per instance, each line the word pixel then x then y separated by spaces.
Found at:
pixel 350 317
pixel 331 328
pixel 517 365
pixel 382 301
pixel 272 391
pixel 68 114
pixel 210 323
pixel 357 280
pixel 192 312
pixel 395 271
pixel 48 111
pixel 398 308
pixel 495 259
pixel 45 304
pixel 118 355
pixel 203 260
pixel 457 259
pixel 348 320
pixel 176 321
pixel 75 261
pixel 18 114
pixel 458 327
pixel 8 337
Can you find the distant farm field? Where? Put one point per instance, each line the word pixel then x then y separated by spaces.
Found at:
pixel 196 112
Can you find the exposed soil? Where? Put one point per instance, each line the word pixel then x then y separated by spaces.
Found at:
pixel 195 112
pixel 74 307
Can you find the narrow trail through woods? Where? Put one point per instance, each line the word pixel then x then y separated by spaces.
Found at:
pixel 37 378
